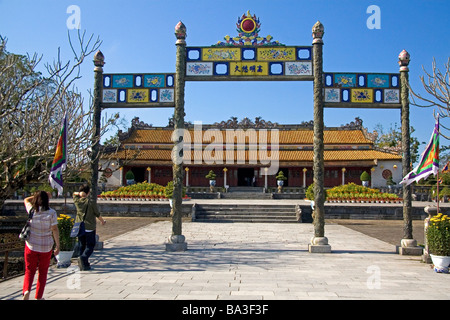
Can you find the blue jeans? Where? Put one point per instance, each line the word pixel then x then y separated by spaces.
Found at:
pixel 87 244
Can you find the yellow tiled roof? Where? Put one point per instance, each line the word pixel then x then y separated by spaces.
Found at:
pixel 291 136
pixel 160 142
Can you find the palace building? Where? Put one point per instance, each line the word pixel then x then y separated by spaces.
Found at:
pixel 247 153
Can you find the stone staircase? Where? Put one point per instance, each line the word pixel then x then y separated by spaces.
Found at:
pixel 246 193
pixel 245 213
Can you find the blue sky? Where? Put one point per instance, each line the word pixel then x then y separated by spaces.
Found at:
pixel 138 37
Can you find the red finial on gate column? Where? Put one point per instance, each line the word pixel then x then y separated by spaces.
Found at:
pixel 403 60
pixel 180 33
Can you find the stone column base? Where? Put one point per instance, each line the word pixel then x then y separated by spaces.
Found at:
pixel 175 247
pixel 176 243
pixel 409 247
pixel 319 245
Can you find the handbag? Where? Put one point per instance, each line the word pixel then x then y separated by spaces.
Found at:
pixel 25 233
pixel 78 228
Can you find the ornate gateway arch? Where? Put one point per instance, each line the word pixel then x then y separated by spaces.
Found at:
pixel 251 57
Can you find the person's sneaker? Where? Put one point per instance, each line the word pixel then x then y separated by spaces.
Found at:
pixel 81 264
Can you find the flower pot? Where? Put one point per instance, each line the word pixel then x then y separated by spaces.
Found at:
pixel 441 263
pixel 280 183
pixel 63 259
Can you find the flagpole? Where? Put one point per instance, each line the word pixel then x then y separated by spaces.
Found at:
pixel 65 200
pixel 437 176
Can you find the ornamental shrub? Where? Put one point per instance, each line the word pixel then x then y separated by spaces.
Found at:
pixel 65 225
pixel 364 176
pixel 280 176
pixel 129 175
pixel 211 175
pixel 438 235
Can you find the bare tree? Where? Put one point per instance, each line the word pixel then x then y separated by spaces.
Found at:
pixel 32 107
pixel 436 84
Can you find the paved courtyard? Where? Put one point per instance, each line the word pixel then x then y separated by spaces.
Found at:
pixel 243 261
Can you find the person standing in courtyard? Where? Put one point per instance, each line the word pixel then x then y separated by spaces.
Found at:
pixel 88 212
pixel 44 234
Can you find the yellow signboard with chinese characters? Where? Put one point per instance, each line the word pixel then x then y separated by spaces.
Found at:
pixel 221 54
pixel 249 68
pixel 276 54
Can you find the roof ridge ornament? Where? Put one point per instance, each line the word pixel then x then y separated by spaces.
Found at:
pixel 248 27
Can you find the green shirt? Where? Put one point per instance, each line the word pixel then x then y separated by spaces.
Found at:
pixel 85 205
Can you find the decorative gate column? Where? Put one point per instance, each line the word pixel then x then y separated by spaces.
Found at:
pixel 176 241
pixel 408 244
pixel 99 62
pixel 319 243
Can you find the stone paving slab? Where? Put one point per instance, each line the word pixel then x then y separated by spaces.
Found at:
pixel 243 261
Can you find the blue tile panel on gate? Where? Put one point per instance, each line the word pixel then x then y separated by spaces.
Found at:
pixel 138 88
pixel 362 87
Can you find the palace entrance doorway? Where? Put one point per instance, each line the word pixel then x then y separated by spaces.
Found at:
pixel 245 177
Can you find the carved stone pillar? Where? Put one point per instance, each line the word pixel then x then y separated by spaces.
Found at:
pixel 408 244
pixel 319 243
pixel 99 62
pixel 176 241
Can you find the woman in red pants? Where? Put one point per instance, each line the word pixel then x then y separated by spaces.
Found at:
pixel 38 248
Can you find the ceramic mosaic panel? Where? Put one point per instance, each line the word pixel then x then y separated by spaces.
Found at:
pixel 154 81
pixel 362 95
pixel 199 69
pixel 345 80
pixel 298 68
pixel 276 54
pixel 221 54
pixel 110 95
pixel 167 95
pixel 378 80
pixel 138 95
pixel 332 95
pixel 392 96
pixel 122 81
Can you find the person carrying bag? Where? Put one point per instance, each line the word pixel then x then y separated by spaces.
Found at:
pixel 39 240
pixel 87 212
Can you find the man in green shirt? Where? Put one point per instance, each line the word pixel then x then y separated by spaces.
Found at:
pixel 87 210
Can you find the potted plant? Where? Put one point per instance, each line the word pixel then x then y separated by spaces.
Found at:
pixel 364 177
pixel 280 181
pixel 66 243
pixel 212 180
pixel 130 177
pixel 438 240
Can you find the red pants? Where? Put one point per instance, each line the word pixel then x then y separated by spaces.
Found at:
pixel 33 261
